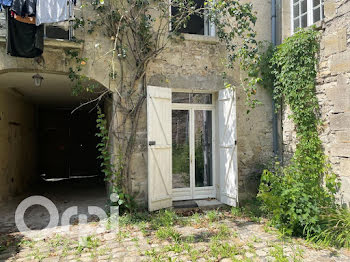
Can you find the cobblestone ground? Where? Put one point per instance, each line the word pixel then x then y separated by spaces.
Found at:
pixel 166 236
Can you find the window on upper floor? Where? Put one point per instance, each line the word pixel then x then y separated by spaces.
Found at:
pixel 197 24
pixel 306 12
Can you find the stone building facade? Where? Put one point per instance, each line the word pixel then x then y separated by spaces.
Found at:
pixel 192 65
pixel 333 87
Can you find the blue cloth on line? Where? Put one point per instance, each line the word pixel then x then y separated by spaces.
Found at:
pixel 7 3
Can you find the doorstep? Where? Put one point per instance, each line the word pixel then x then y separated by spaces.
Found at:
pixel 203 204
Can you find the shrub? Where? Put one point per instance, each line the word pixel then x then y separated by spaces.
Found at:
pixel 335 225
pixel 295 195
pixel 294 200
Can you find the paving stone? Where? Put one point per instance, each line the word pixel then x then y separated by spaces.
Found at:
pixel 70 257
pixel 269 259
pixel 20 259
pixel 226 260
pixel 261 253
pixel 113 244
pixel 258 244
pixel 51 259
pixel 249 255
pixel 144 247
pixel 86 259
pixel 109 236
pixel 119 254
pixel 25 253
pixel 118 250
pixel 104 257
pixel 85 255
pixel 131 259
pixel 130 250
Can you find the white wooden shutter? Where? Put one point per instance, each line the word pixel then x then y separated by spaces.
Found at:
pixel 227 147
pixel 159 147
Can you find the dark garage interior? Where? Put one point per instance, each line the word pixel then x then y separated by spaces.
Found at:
pixel 46 149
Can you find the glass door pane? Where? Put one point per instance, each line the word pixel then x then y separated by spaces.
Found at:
pixel 181 148
pixel 203 148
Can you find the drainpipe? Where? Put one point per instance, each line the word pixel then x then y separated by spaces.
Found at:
pixel 274 114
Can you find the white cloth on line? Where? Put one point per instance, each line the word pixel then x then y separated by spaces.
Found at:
pixel 51 11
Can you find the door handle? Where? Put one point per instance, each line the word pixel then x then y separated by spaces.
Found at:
pixel 152 143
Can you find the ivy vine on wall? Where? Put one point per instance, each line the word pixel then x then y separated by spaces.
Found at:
pixel 298 194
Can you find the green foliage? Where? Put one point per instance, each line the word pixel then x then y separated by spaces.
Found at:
pixel 80 80
pixel 106 164
pixel 168 233
pixel 295 196
pixel 181 160
pixel 335 226
pixel 113 174
pixel 213 216
pixel 278 253
pixel 223 233
pixel 219 250
pixel 90 242
pixel 163 218
pixel 234 22
pixel 264 65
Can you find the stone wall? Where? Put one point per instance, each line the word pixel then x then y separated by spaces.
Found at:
pixel 2 23
pixel 333 89
pixel 17 131
pixel 197 65
pixel 192 64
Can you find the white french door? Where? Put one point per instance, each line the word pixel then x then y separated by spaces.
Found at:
pixel 182 144
pixel 193 147
pixel 159 147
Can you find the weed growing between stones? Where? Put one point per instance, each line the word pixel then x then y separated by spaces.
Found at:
pixel 229 238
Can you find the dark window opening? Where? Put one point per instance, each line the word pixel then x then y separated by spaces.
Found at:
pixel 56 32
pixel 192 98
pixel 195 24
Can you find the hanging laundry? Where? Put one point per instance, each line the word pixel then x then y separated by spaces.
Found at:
pixel 27 19
pixel 5 3
pixel 24 7
pixel 23 39
pixel 51 11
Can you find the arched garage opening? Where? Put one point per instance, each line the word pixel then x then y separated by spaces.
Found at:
pixel 45 149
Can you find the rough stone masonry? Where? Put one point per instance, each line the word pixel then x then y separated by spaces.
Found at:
pixel 333 89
